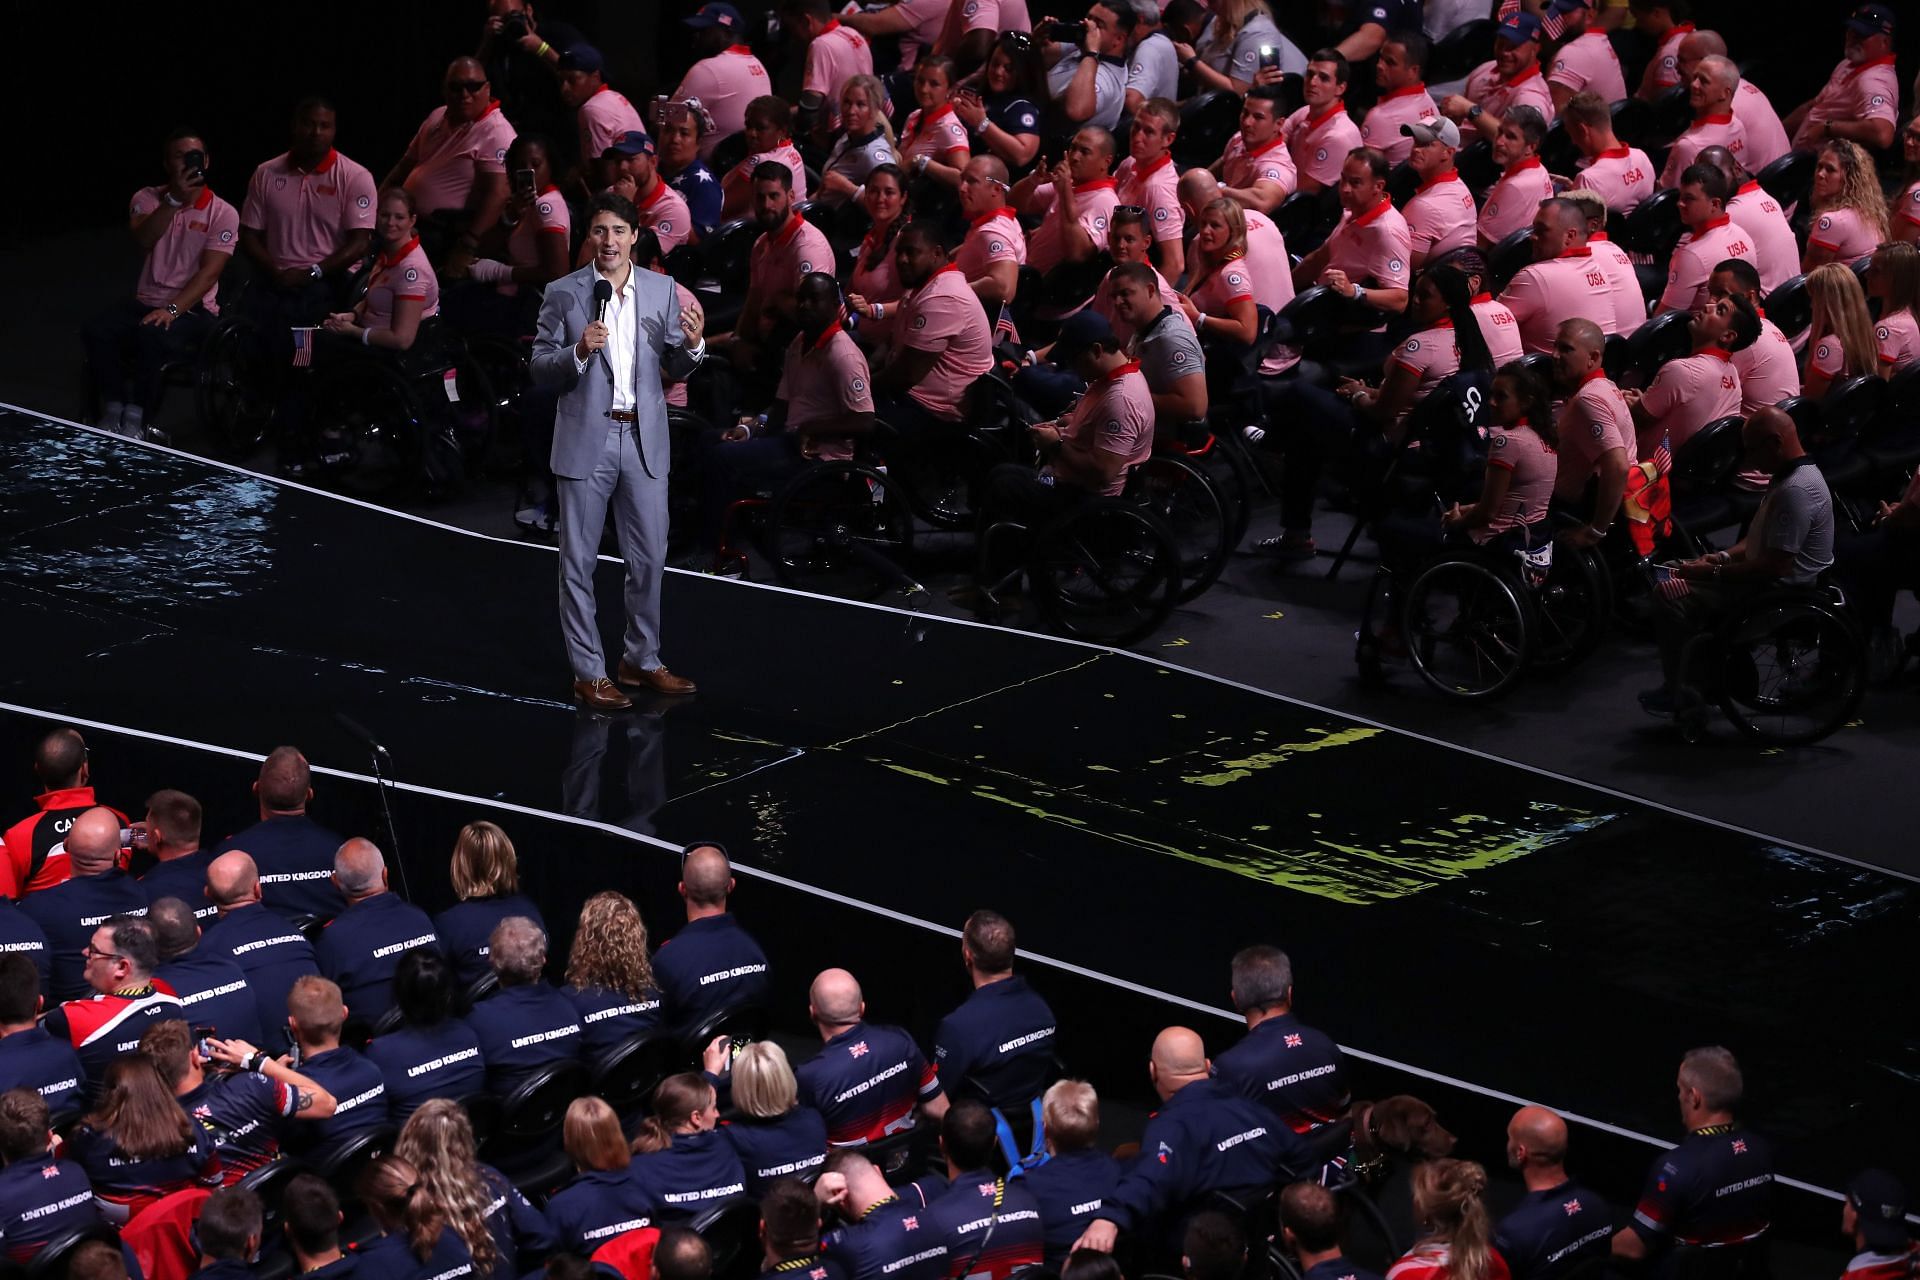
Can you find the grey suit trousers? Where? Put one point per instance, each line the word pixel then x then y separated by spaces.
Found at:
pixel 639 505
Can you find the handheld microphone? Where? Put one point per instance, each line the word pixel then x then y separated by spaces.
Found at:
pixel 602 294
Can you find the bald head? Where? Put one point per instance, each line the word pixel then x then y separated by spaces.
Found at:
pixel 1698 45
pixel 1771 437
pixel 989 167
pixel 93 842
pixel 1179 1058
pixel 1197 190
pixel 175 930
pixel 835 999
pixel 465 68
pixel 232 879
pixel 360 869
pixel 1584 335
pixel 706 877
pixel 1723 160
pixel 1536 1136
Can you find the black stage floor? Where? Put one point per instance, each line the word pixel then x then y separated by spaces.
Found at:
pixel 1494 927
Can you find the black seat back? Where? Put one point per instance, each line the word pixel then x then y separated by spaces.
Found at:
pixel 1474 163
pixel 1207 121
pixel 1789 307
pixel 1557 151
pixel 1788 178
pixel 1306 218
pixel 1312 311
pixel 538 1104
pixel 1709 457
pixel 1402 182
pixel 1654 227
pixel 727 153
pixel 1848 408
pixel 1659 340
pixel 742 1022
pixel 51 1262
pixel 1460 51
pixel 1632 121
pixel 731 1230
pixel 627 1074
pixel 343 1164
pixel 1512 253
pixel 1671 115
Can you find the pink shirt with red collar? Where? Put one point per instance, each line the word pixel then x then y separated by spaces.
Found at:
pixel 781 257
pixel 1591 422
pixel 994 237
pixel 1629 303
pixel 1441 216
pixel 1695 257
pixel 1103 303
pixel 1115 416
pixel 825 380
pixel 1622 176
pixel 1155 189
pixel 547 216
pixel 1092 205
pixel 875 278
pixel 934 136
pixel 1272 271
pixel 1545 295
pixel 1768 369
pixel 1381 128
pixel 1686 395
pixel 834 57
pixel 209 223
pixel 1500 328
pixel 1843 233
pixel 1531 465
pixel 1320 144
pixel 665 213
pixel 1708 131
pixel 1514 200
pixel 306 214
pixel 447 158
pixel 1766 136
pixel 1869 91
pixel 1774 245
pixel 1526 89
pixel 1231 281
pixel 1907 207
pixel 1374 249
pixel 1898 337
pixel 1429 355
pixel 944 316
pixel 725 84
pixel 1589 62
pixel 1666 59
pixel 604 118
pixel 1273 162
pixel 784 154
pixel 397 277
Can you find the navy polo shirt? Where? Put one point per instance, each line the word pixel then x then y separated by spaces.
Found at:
pixel 295 857
pixel 785 1146
pixel 699 1170
pixel 1337 1268
pixel 20 935
pixel 214 992
pixel 981 1200
pixel 1715 1188
pixel 274 954
pixel 40 1199
pixel 33 1059
pixel 1070 1189
pixel 597 1206
pixel 897 1240
pixel 701 190
pixel 120 1179
pixel 243 1111
pixel 361 948
pixel 70 911
pixel 866 1081
pixel 465 928
pixel 811 1266
pixel 1205 1138
pixel 518 1229
pixel 710 965
pixel 421 1063
pixel 1392 15
pixel 226 1269
pixel 610 1018
pixel 391 1258
pixel 1014 114
pixel 1551 1232
pixel 185 878
pixel 1297 1072
pixel 359 1092
pixel 1001 1039
pixel 522 1030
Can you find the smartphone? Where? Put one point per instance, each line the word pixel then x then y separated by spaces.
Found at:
pixel 1269 56
pixel 203 1040
pixel 1067 32
pixel 523 181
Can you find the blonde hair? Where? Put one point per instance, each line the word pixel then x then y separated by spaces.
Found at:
pixel 1859 186
pixel 1070 1114
pixel 1236 219
pixel 484 863
pixel 877 99
pixel 1229 16
pixel 438 1141
pixel 1840 309
pixel 1446 1199
pixel 763 1083
pixel 610 947
pixel 591 1135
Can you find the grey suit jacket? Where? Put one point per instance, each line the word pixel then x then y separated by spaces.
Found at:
pixel 580 425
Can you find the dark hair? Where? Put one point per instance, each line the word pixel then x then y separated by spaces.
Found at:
pixel 1308 1210
pixel 884 246
pixel 968 1132
pixel 1466 259
pixel 1271 94
pixel 230 1221
pixel 1260 977
pixel 133 939
pixel 646 248
pixel 1744 273
pixel 616 204
pixel 177 815
pixel 97 1260
pixel 1091 1264
pixel 1376 161
pixel 1713 184
pixel 674 1102
pixel 1125 16
pixel 178 132
pixel 774 171
pixel 313 102
pixel 174 929
pixel 1458 295
pixel 1215 1248
pixel 19 989
pixel 1535 395
pixel 922 233
pixel 1185 11
pixel 1587 108
pixel 791 1216
pixel 530 139
pixel 811 8
pixel 771 109
pixel 680 1254
pixel 285 780
pixel 989 936
pixel 423 987
pixel 311 1212
pixel 1414 44
pixel 570 1266
pixel 403 195
pixel 1532 125
pixel 1138 272
pixel 1342 69
pixel 23 1122
pixel 1745 322
pixel 59 757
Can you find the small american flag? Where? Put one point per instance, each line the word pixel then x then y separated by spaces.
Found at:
pixel 1003 328
pixel 1670 585
pixel 1551 25
pixel 1508 10
pixel 302 348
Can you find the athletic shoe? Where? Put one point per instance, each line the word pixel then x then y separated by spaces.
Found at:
pixel 1287 546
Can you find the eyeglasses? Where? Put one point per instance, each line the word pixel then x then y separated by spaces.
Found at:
pixel 466 86
pixel 91 954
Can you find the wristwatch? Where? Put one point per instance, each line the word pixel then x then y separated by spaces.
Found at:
pixel 1473 112
pixel 173 310
pixel 314 272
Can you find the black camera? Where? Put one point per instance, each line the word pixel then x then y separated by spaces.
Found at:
pixel 194 163
pixel 1067 32
pixel 514 25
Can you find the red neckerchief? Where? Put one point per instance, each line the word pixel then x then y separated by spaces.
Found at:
pixel 1131 366
pixel 1531 162
pixel 1361 219
pixel 1620 152
pixel 1314 122
pixel 826 336
pixel 1871 62
pixel 1417 86
pixel 1279 139
pixel 1714 119
pixel 332 158
pixel 1081 188
pixel 387 261
pixel 1002 211
pixel 1451 175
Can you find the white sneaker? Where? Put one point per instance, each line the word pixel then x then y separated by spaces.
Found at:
pixel 132 422
pixel 537 518
pixel 110 415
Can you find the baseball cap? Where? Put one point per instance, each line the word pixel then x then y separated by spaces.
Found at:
pixel 1081 330
pixel 716 15
pixel 1871 20
pixel 631 143
pixel 1519 29
pixel 1440 130
pixel 581 57
pixel 1880 1200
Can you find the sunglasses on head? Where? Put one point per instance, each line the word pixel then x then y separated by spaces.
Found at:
pixel 1016 41
pixel 466 86
pixel 687 849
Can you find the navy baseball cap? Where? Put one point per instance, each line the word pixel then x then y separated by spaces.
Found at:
pixel 631 143
pixel 716 15
pixel 1871 20
pixel 1081 330
pixel 581 57
pixel 1519 29
pixel 1880 1201
pixel 1561 8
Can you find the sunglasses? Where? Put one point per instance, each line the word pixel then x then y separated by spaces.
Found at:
pixel 1130 210
pixel 466 86
pixel 1016 42
pixel 687 849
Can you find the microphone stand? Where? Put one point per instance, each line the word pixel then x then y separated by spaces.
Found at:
pixel 381 782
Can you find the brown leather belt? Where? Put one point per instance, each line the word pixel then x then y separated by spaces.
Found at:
pixel 623 415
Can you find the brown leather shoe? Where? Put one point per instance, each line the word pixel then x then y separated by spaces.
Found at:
pixel 658 679
pixel 601 695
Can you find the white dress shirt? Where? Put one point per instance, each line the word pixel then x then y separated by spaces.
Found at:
pixel 623 342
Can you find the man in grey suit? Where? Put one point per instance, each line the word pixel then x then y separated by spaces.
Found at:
pixel 607 333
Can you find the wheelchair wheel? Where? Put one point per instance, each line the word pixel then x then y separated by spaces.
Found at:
pixel 234 412
pixel 1569 611
pixel 1108 572
pixel 1791 671
pixel 1180 496
pixel 504 365
pixel 944 476
pixel 842 529
pixel 686 479
pixel 1231 471
pixel 369 421
pixel 1466 627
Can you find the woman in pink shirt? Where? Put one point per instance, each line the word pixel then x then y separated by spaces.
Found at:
pixel 934 142
pixel 1893 280
pixel 1904 217
pixel 1521 465
pixel 769 135
pixel 1840 341
pixel 537 230
pixel 401 287
pixel 1219 301
pixel 1446 338
pixel 873 288
pixel 1849 212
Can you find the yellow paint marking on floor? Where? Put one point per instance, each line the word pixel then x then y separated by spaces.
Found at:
pixel 1247 766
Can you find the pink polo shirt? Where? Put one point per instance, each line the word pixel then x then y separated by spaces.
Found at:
pixel 1381 128
pixel 1441 216
pixel 1115 416
pixel 209 223
pixel 1531 467
pixel 996 15
pixel 943 316
pixel 1589 62
pixel 305 215
pixel 1622 176
pixel 548 216
pixel 996 237
pixel 1528 88
pixel 1898 338
pixel 834 57
pixel 1155 189
pixel 1499 327
pixel 1826 356
pixel 1229 282
pixel 1093 202
pixel 875 278
pixel 936 137
pixel 1629 303
pixel 786 155
pixel 1272 269
pixel 1592 421
pixel 1708 131
pixel 1430 355
pixel 1776 250
pixel 397 277
pixel 822 381
pixel 1766 136
pixel 604 119
pixel 1843 233
pixel 1768 370
pixel 780 258
pixel 1320 144
pixel 1686 395
pixel 1545 295
pixel 1694 259
pixel 1666 59
pixel 1513 201
pixel 1870 91
pixel 1103 303
pixel 1242 168
pixel 665 213
pixel 446 159
pixel 1907 207
pixel 929 17
pixel 1373 249
pixel 725 84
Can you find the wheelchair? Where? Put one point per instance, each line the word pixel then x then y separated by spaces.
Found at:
pixel 1786 667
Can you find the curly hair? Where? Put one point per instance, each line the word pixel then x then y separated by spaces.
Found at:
pixel 437 1140
pixel 610 947
pixel 1446 1198
pixel 1859 185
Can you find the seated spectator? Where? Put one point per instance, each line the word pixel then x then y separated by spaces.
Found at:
pixel 1310 1231
pixel 1558 1225
pixel 1147 180
pixel 36 855
pixel 1893 281
pixel 1077 1176
pixel 989 1223
pixel 1497 324
pixel 1366 256
pixel 601 113
pixel 315 1015
pixel 1219 301
pixel 1766 137
pixel 1710 238
pixel 1404 100
pixel 120 957
pixel 712 964
pixel 1564 281
pixel 933 144
pixel 1874 566
pixel 866 140
pixel 835 51
pixel 1841 342
pixel 485 875
pixel 211 986
pixel 431 1054
pixel 769 141
pixel 1088 83
pixel 661 209
pixel 1595 431
pixel 1229 54
pixel 1153 64
pixel 1162 340
pixel 1710 92
pixel 1629 303
pixel 273 953
pixel 1849 212
pixel 1700 387
pixel 310 1220
pixel 455 168
pixel 992 252
pixel 42 1197
pixel 187 233
pixel 1701 1192
pixel 292 853
pixel 1512 79
pixel 787 249
pixel 1905 213
pixel 1002 112
pixel 790 1231
pixel 69 912
pixel 609 977
pixel 873 285
pixel 361 947
pixel 1524 182
pixel 918 25
pixel 1441 215
pixel 878 1236
pixel 1257 168
pixel 243 1107
pixel 1586 61
pixel 998 1046
pixel 1459 1241
pixel 98 1260
pixel 1776 251
pixel 1620 174
pixel 1295 1070
pixel 1769 371
pixel 1320 135
pixel 21 937
pixel 1874 1217
pixel 775 1137
pixel 1128 241
pixel 493 1219
pixel 945 341
pixel 30 1058
pixel 1860 102
pixel 227 1233
pixel 868 1080
pixel 138 1145
pixel 528 1025
pixel 1073 202
pixel 682 129
pixel 180 865
pixel 1446 339
pixel 416 1240
pixel 684 1165
pixel 725 78
pixel 602 1200
pixel 1664 22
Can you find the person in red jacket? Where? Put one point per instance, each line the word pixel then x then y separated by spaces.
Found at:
pixel 36 855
